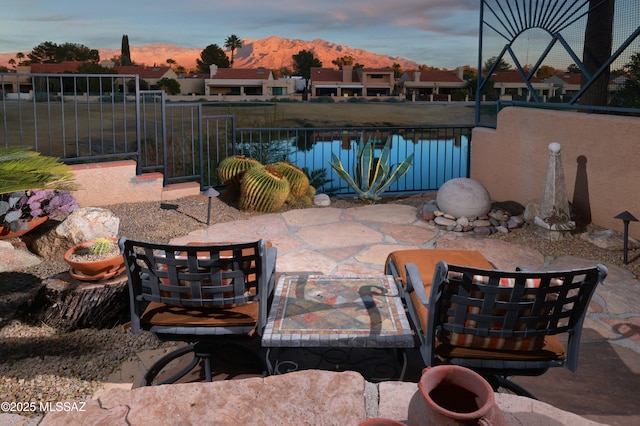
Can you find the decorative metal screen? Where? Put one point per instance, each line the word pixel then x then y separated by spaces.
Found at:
pixel 561 53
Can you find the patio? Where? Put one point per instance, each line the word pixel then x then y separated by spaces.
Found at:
pixel 356 241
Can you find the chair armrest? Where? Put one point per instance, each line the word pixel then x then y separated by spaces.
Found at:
pixel 414 283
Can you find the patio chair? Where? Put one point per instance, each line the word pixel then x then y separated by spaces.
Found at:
pixel 498 323
pixel 200 294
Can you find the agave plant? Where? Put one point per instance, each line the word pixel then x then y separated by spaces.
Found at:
pixel 372 176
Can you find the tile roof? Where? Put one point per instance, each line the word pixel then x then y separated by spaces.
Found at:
pixel 331 74
pixel 143 71
pixel 435 75
pixel 62 67
pixel 511 77
pixel 242 74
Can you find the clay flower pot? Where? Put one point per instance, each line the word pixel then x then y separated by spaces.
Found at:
pixel 6 233
pixel 453 395
pixel 93 270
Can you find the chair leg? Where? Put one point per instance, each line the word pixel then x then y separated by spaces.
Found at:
pixel 202 351
pixel 157 367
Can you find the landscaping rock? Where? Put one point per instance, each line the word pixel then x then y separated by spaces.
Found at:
pixel 609 240
pixel 81 225
pixel 321 200
pixel 463 197
pixel 12 259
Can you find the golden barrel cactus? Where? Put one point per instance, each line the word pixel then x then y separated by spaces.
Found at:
pixel 263 189
pixel 298 180
pixel 231 170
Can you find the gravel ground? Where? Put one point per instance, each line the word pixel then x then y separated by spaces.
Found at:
pixel 39 363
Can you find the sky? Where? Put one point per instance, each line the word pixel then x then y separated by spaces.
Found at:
pixel 441 33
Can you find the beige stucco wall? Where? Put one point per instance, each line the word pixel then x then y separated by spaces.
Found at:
pixel 511 161
pixel 115 182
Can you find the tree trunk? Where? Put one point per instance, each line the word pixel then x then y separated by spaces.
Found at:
pixel 68 304
pixel 597 50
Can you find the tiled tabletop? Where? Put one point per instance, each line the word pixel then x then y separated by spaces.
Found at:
pixel 337 311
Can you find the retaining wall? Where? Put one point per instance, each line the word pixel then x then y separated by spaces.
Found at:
pixel 600 156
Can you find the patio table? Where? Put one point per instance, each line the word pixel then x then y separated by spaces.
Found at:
pixel 332 312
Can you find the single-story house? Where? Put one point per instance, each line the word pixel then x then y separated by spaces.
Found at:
pixel 247 82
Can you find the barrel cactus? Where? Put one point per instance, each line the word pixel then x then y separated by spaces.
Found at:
pixel 263 189
pixel 231 170
pixel 298 180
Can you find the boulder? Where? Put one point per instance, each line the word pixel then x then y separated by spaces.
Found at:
pixel 81 225
pixel 463 197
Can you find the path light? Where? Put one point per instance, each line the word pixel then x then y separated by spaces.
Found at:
pixel 210 193
pixel 626 217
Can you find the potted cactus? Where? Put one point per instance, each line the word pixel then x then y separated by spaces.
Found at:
pixel 95 260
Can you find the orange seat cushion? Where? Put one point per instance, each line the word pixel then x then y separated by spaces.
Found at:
pixel 426 260
pixel 160 314
pixel 551 349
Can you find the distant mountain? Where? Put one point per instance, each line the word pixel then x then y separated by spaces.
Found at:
pixel 271 52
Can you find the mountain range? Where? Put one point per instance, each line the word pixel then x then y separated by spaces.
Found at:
pixel 271 52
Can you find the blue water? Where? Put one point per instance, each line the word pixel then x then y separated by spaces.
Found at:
pixel 435 161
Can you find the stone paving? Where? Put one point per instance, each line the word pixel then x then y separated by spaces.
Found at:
pixel 357 241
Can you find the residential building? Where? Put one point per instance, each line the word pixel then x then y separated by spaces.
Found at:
pixel 349 82
pixel 431 85
pixel 509 85
pixel 247 83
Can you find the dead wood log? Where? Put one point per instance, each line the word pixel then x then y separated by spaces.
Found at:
pixel 67 304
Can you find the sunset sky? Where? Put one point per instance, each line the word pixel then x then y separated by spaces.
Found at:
pixel 442 33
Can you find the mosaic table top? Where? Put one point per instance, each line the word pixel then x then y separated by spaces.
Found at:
pixel 337 311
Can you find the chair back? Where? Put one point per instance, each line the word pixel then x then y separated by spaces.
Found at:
pixel 202 275
pixel 510 311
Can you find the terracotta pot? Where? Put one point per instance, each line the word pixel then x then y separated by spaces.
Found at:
pixel 453 395
pixel 6 233
pixel 93 270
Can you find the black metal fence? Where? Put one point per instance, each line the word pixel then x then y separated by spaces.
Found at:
pixel 95 118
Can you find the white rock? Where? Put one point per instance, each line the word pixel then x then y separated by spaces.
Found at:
pixel 321 200
pixel 441 220
pixel 463 197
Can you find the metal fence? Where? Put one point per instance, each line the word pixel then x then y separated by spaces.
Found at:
pixel 94 118
pixel 440 153
pixel 579 54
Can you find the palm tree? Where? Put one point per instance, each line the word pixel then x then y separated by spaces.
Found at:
pixel 22 169
pixel 232 43
pixel 171 63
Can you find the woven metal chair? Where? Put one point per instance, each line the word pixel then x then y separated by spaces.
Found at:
pixel 498 323
pixel 198 293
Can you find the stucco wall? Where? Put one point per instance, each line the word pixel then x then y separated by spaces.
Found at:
pixel 511 161
pixel 115 182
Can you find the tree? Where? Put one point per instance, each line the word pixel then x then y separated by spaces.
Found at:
pixel 342 61
pixel 598 38
pixel 574 69
pixel 232 43
pixel 169 85
pixel 397 70
pixel 212 55
pixel 125 53
pixel 628 96
pixel 95 84
pixel 545 71
pixel 303 61
pixel 171 63
pixel 501 66
pixel 52 53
